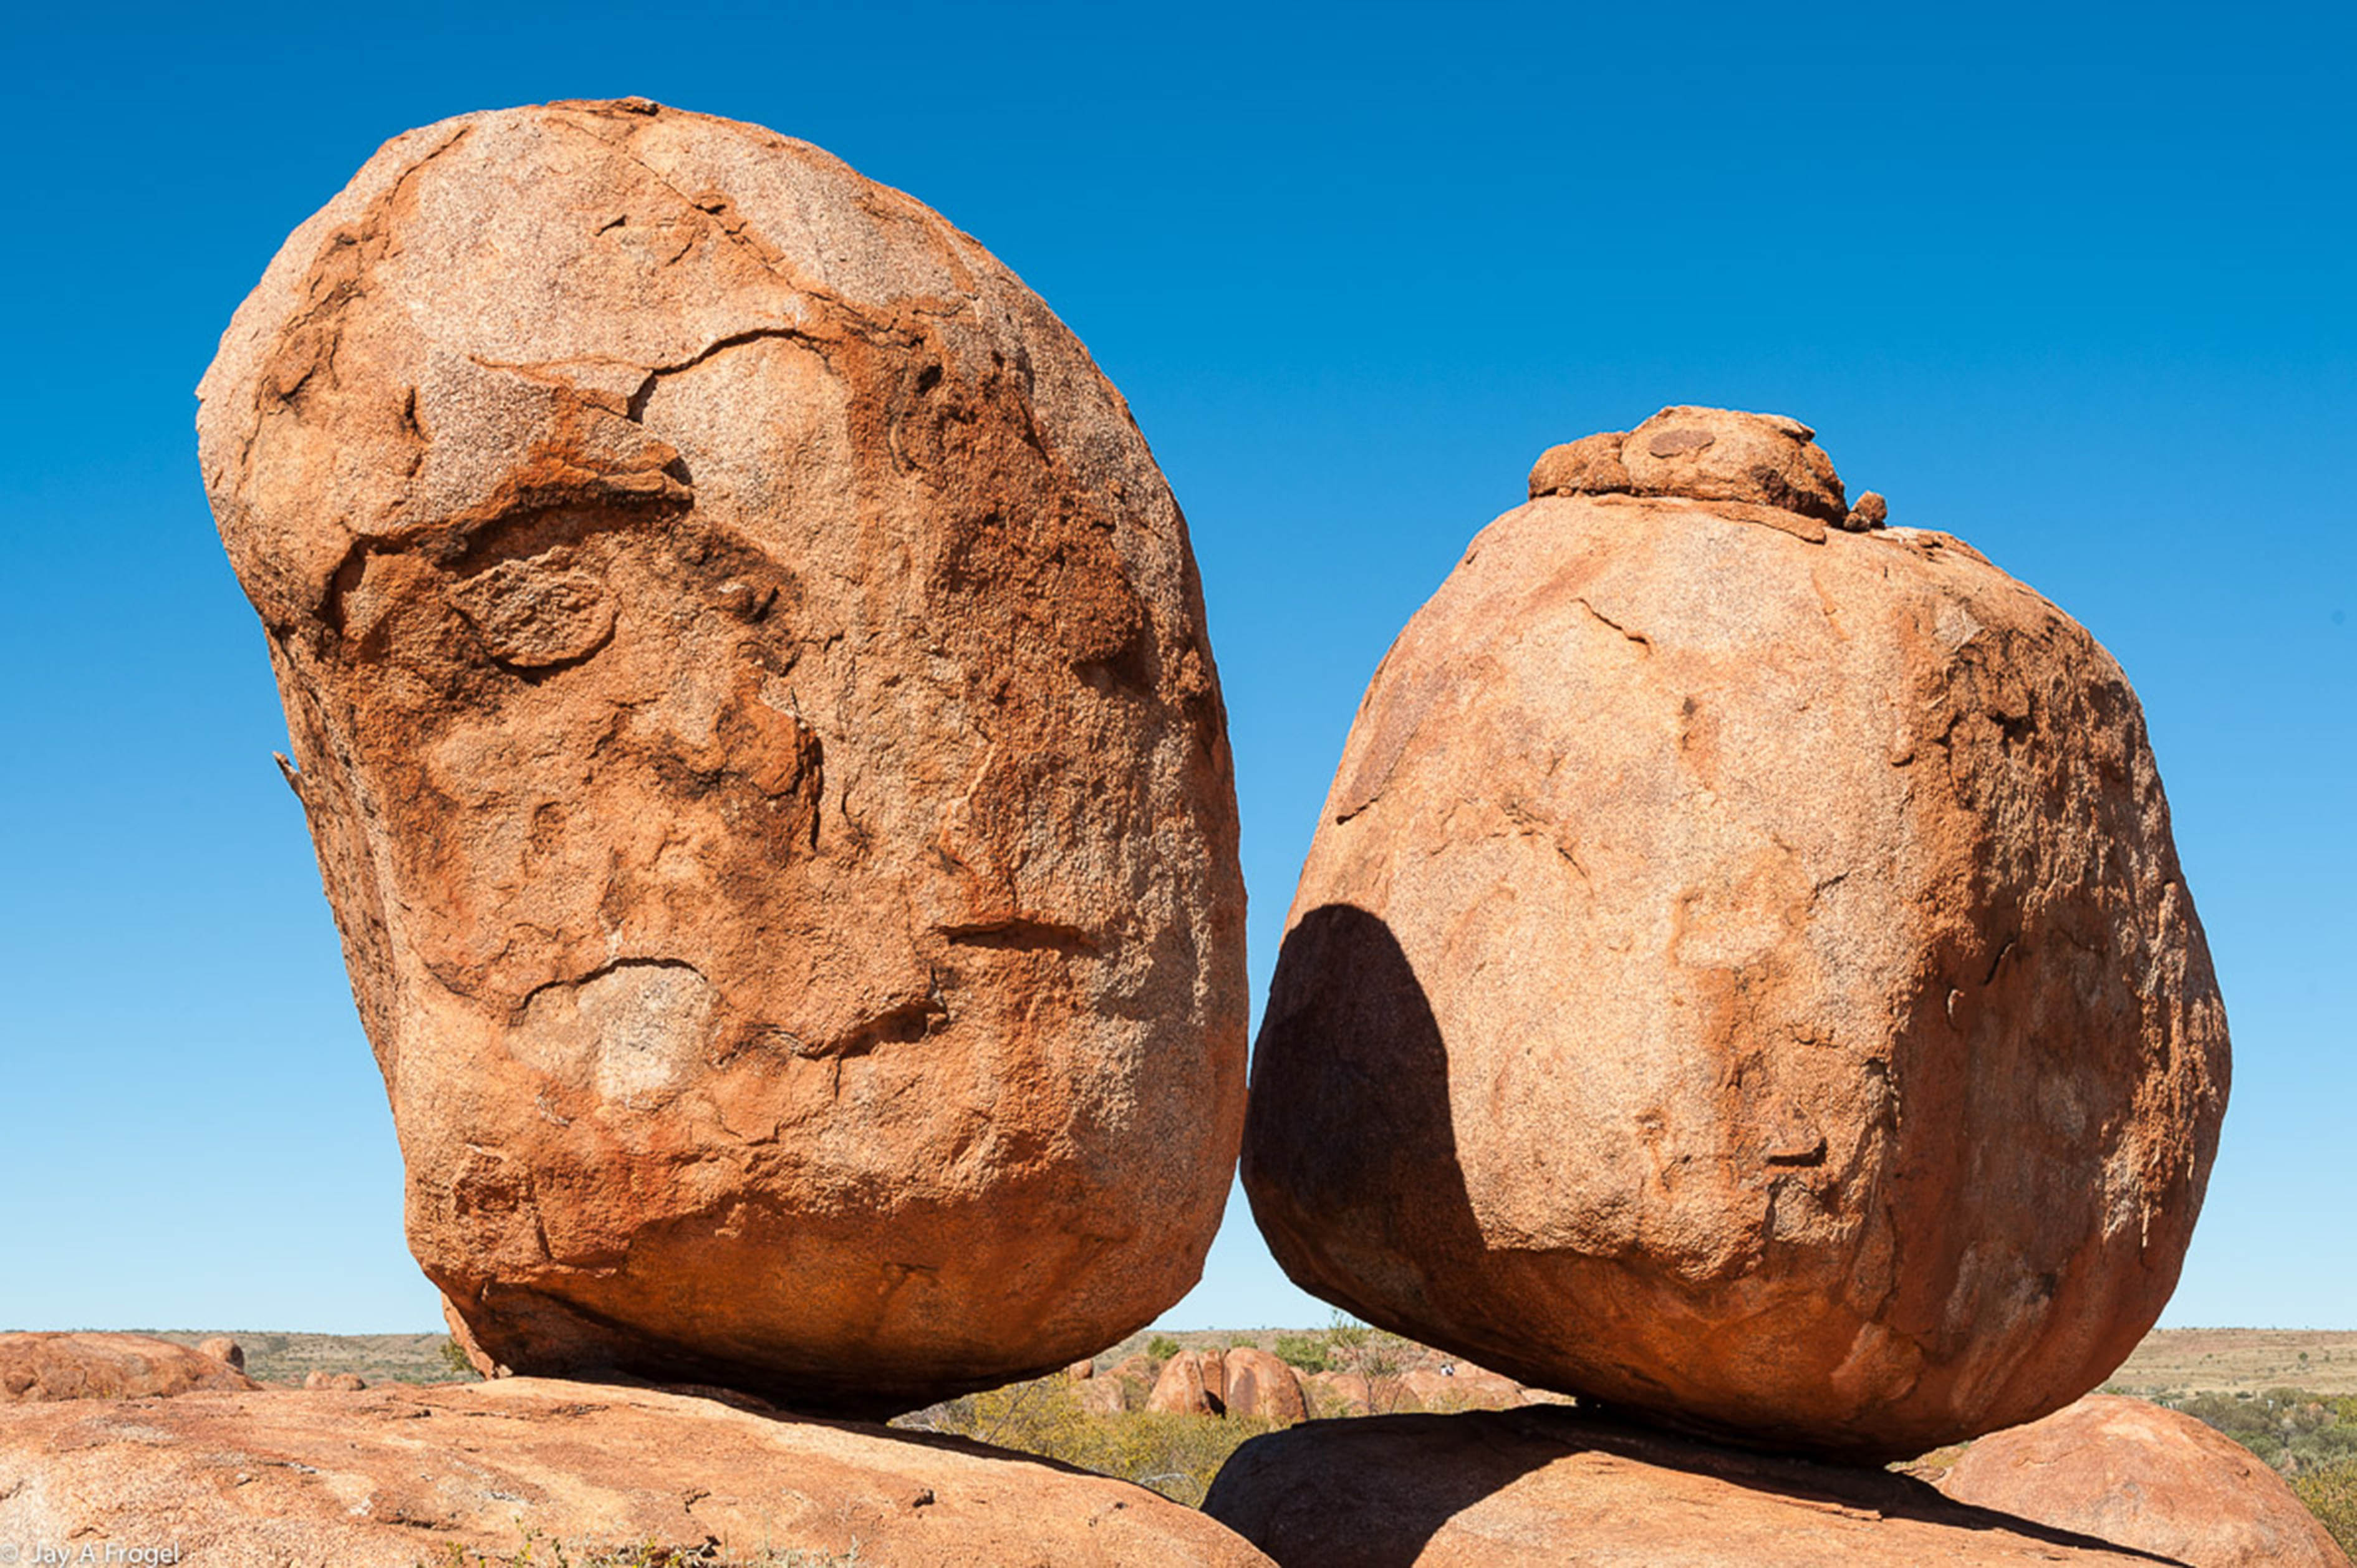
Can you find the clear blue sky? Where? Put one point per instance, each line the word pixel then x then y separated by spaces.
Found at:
pixel 2074 283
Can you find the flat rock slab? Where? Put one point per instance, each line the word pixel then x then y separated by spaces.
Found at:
pixel 35 1368
pixel 1553 1488
pixel 399 1475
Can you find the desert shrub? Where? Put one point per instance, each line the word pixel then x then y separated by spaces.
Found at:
pixel 1381 1358
pixel 2331 1494
pixel 1161 1347
pixel 454 1360
pixel 1176 1455
pixel 1302 1352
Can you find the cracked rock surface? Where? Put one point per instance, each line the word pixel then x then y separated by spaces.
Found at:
pixel 1742 973
pixel 750 696
pixel 401 1475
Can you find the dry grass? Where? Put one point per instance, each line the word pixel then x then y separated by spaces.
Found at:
pixel 2241 1360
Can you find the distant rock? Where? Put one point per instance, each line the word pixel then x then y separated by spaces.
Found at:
pixel 1194 1383
pixel 38 1368
pixel 1259 1384
pixel 1462 1387
pixel 397 1477
pixel 1548 1489
pixel 1102 1396
pixel 1743 971
pixel 1081 1369
pixel 754 710
pixel 335 1382
pixel 2150 1480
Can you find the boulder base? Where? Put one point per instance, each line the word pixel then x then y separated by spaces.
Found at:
pixel 2150 1480
pixel 400 1475
pixel 1549 1489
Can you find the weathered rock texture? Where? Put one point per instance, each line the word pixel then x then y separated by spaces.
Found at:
pixel 402 1476
pixel 2137 1475
pixel 1742 971
pixel 1258 1383
pixel 1192 1382
pixel 1546 1489
pixel 224 1348
pixel 752 702
pixel 37 1368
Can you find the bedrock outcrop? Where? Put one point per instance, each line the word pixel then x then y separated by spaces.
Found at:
pixel 400 1475
pixel 1549 1488
pixel 1742 973
pixel 35 1368
pixel 749 692
pixel 2150 1480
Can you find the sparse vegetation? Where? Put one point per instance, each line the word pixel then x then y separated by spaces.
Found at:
pixel 2294 1432
pixel 539 1551
pixel 1176 1455
pixel 1302 1352
pixel 456 1360
pixel 2331 1494
pixel 1161 1347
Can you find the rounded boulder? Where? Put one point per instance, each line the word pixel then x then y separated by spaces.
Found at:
pixel 1742 973
pixel 749 690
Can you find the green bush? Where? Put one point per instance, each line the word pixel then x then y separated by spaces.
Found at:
pixel 2331 1494
pixel 1176 1455
pixel 1302 1352
pixel 1161 1347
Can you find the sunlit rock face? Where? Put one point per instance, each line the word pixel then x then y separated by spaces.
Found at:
pixel 1743 973
pixel 752 698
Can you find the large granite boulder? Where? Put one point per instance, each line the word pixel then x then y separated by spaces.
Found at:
pixel 749 690
pixel 403 1475
pixel 2155 1480
pixel 1548 1487
pixel 35 1368
pixel 1743 973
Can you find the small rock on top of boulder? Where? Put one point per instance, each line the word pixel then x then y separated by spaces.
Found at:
pixel 38 1368
pixel 396 1476
pixel 2156 1480
pixel 1545 1488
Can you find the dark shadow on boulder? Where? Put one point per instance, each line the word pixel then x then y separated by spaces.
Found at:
pixel 1349 1160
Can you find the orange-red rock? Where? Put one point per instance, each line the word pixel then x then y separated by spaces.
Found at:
pixel 1258 1383
pixel 753 707
pixel 1192 1382
pixel 38 1368
pixel 1547 1488
pixel 221 1348
pixel 1463 1387
pixel 401 1475
pixel 335 1382
pixel 1743 971
pixel 2129 1472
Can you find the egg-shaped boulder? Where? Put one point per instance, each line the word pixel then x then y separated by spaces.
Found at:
pixel 1742 973
pixel 749 690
